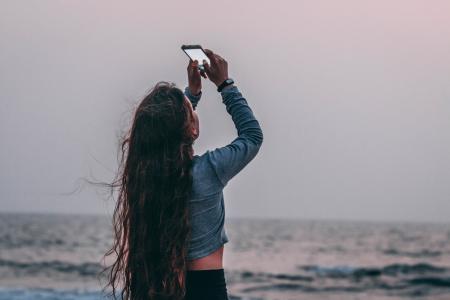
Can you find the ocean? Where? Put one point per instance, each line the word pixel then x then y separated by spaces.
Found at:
pixel 59 257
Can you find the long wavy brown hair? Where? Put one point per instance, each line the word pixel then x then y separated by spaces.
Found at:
pixel 151 218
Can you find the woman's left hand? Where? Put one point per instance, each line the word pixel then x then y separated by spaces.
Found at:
pixel 194 79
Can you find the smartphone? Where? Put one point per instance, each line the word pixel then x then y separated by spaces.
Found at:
pixel 195 52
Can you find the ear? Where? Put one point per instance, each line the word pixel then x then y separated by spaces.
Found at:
pixel 194 132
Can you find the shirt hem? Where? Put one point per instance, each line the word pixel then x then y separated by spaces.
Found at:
pixel 213 247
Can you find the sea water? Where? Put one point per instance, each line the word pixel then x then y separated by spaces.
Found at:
pixel 60 257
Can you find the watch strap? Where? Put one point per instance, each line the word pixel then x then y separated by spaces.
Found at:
pixel 225 83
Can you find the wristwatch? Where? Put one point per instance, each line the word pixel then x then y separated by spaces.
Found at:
pixel 224 84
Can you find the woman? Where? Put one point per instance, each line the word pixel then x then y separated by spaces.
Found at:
pixel 169 217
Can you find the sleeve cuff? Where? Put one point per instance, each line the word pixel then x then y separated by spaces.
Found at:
pixel 193 98
pixel 229 88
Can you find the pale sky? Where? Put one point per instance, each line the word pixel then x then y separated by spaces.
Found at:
pixel 353 98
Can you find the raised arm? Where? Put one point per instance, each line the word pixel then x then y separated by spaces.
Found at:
pixel 194 89
pixel 229 160
pixel 193 98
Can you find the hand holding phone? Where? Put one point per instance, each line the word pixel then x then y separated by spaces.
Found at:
pixel 218 70
pixel 196 53
pixel 194 79
pixel 215 67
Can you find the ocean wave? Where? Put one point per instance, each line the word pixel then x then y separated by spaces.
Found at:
pixel 389 270
pixel 33 268
pixel 418 254
pixel 395 279
pixel 56 294
pixel 48 294
pixel 430 281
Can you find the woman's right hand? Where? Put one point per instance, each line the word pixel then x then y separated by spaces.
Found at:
pixel 218 70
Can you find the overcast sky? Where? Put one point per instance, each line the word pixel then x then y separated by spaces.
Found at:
pixel 353 98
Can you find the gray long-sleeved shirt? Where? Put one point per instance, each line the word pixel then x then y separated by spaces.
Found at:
pixel 214 169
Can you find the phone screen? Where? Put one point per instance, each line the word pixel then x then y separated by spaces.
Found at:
pixel 197 54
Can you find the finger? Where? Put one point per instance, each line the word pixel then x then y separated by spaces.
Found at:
pixel 208 52
pixel 222 60
pixel 195 72
pixel 207 67
pixel 212 56
pixel 193 63
pixel 213 61
pixel 193 69
pixel 190 67
pixel 203 74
